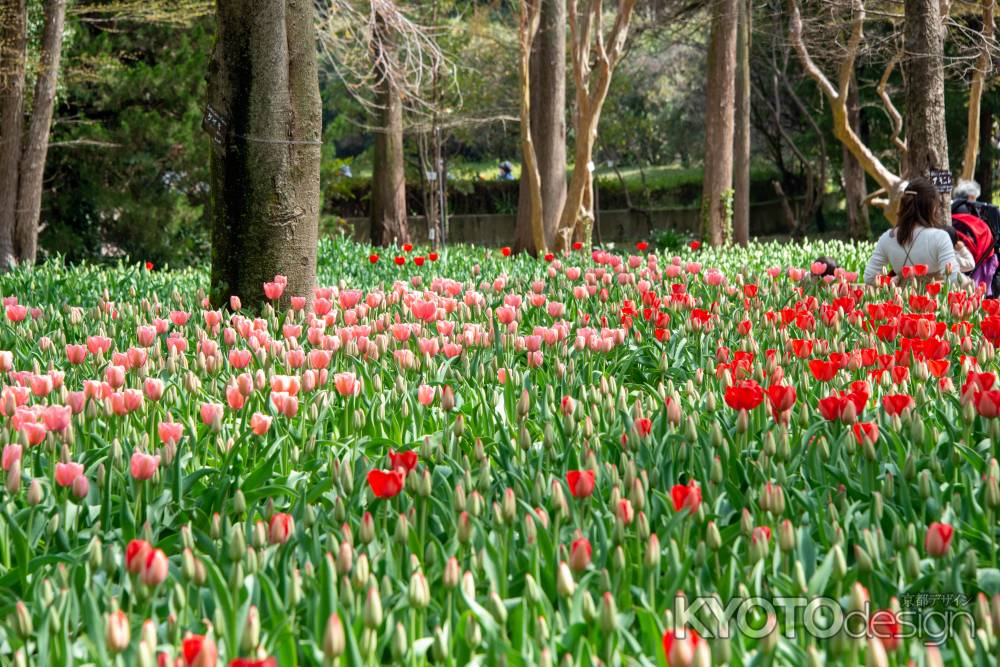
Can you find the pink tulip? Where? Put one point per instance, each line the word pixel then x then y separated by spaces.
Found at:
pixel 211 414
pixel 153 388
pixel 273 290
pixel 239 359
pixel 346 384
pixel 76 354
pixel 144 466
pixel 425 394
pixel 170 432
pixel 67 472
pixel 234 397
pixel 115 376
pixel 76 400
pixel 260 423
pixel 146 335
pixel 179 317
pixel 11 454
pixel 154 571
pixel 56 417
pixel 34 432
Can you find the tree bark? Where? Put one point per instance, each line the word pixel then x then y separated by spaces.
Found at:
pixel 527 30
pixel 389 220
pixel 987 154
pixel 719 119
pixel 976 93
pixel 855 189
pixel 577 215
pixel 923 76
pixel 547 88
pixel 741 148
pixel 13 44
pixel 265 171
pixel 32 166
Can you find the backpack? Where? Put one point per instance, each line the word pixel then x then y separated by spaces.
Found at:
pixel 991 216
pixel 975 234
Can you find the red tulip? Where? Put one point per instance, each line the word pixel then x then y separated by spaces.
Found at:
pixel 505 251
pixel 781 397
pixel 386 484
pixel 549 257
pixel 824 371
pixel 405 461
pixel 373 258
pixel 432 256
pixel 577 245
pixel 744 395
pixel 938 539
pixel 884 626
pixel 407 247
pixel 419 260
pixel 199 651
pixel 686 496
pixel 641 246
pixel 894 404
pixel 679 648
pixel 863 430
pixel 988 403
pixel 581 482
pixel 135 555
pixel 695 245
pixel 400 260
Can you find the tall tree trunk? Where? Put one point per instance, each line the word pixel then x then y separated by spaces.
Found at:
pixel 594 60
pixel 527 30
pixel 32 166
pixel 263 83
pixel 719 117
pixel 741 148
pixel 855 189
pixel 987 153
pixel 13 43
pixel 923 70
pixel 389 223
pixel 548 124
pixel 976 93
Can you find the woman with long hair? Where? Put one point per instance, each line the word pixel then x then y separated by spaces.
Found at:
pixel 916 240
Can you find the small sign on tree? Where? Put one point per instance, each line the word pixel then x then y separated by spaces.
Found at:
pixel 941 178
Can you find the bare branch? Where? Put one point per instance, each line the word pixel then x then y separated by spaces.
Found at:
pixel 894 116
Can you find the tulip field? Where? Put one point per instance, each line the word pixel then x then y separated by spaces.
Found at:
pixel 478 458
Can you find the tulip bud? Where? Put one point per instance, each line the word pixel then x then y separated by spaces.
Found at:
pixel 399 642
pixel 419 591
pixel 251 631
pixel 372 611
pixel 564 580
pixel 609 613
pixel 117 632
pixel 713 537
pixel 366 533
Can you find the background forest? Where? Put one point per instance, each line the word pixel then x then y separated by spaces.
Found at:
pixel 127 169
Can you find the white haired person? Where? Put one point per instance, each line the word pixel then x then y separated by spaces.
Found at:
pixel 916 245
pixel 962 196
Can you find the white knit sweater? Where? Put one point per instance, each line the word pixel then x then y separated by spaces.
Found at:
pixel 929 246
